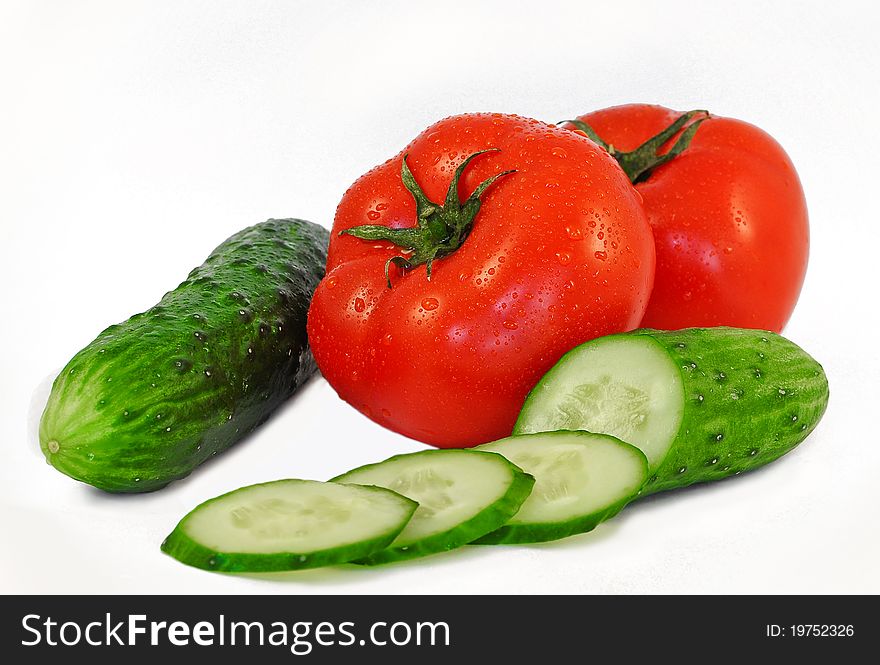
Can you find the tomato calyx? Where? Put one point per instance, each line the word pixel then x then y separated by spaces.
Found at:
pixel 440 229
pixel 639 163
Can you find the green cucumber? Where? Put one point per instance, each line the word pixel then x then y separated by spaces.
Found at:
pixel 581 479
pixel 152 398
pixel 462 495
pixel 288 525
pixel 701 403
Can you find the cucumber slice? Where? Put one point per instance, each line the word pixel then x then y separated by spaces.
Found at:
pixel 701 403
pixel 581 479
pixel 619 385
pixel 462 495
pixel 288 525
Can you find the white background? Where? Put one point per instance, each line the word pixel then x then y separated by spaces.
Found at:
pixel 136 136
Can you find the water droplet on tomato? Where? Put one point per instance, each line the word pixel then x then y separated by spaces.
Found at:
pixel 558 152
pixel 601 255
pixel 386 413
pixel 430 304
pixel 510 325
pixel 381 206
pixel 359 305
pixel 332 282
pixel 574 232
pixel 563 257
pixel 373 215
pixel 728 250
pixel 386 341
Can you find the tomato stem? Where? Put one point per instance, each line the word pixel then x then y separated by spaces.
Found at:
pixel 439 230
pixel 639 163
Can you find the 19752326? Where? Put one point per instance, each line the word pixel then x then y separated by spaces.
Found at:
pixel 810 630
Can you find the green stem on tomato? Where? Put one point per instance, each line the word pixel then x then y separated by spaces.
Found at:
pixel 440 229
pixel 639 163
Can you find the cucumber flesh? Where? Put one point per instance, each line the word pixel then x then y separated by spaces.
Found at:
pixel 625 386
pixel 462 495
pixel 701 403
pixel 288 525
pixel 581 479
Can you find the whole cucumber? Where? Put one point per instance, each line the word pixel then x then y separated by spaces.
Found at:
pixel 155 396
pixel 701 403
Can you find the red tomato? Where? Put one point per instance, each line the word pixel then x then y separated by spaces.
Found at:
pixel 729 220
pixel 559 253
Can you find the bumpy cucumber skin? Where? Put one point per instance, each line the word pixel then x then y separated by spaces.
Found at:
pixel 183 548
pixel 152 398
pixel 512 534
pixel 486 521
pixel 750 396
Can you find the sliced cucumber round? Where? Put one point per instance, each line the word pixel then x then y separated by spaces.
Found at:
pixel 288 525
pixel 581 479
pixel 701 403
pixel 462 495
pixel 621 385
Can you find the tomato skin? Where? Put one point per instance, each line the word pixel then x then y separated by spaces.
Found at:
pixel 729 220
pixel 560 252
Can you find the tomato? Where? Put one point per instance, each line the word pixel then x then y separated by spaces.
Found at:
pixel 558 251
pixel 729 220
